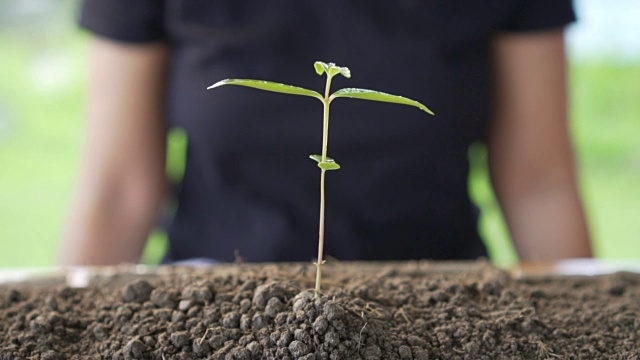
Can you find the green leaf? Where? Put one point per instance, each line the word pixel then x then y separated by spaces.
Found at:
pixel 320 67
pixel 329 165
pixel 378 96
pixel 318 158
pixel 345 72
pixel 331 69
pixel 268 86
pixel 334 70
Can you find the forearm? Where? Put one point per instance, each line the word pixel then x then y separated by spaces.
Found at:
pixel 107 226
pixel 548 223
pixel 121 183
pixel 531 159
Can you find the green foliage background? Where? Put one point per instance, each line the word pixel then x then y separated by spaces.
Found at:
pixel 41 135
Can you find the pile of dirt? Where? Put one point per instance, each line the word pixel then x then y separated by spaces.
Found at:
pixel 368 311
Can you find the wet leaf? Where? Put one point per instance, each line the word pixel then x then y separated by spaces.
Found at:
pixel 268 86
pixel 378 96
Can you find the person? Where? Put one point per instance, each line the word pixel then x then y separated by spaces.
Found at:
pixel 493 72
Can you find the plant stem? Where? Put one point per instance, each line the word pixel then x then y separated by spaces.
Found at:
pixel 320 236
pixel 325 142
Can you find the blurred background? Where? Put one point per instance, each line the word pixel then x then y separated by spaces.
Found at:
pixel 42 72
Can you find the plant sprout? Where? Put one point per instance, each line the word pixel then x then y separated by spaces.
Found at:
pixel 325 163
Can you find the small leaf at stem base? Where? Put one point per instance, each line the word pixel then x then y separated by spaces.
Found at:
pixel 318 158
pixel 328 165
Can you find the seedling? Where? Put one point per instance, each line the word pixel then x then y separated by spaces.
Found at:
pixel 325 163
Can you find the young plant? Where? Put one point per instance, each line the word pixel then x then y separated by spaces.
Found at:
pixel 325 163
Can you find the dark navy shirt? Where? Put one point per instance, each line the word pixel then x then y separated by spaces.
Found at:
pixel 249 184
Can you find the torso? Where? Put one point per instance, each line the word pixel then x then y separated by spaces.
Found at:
pixel 402 190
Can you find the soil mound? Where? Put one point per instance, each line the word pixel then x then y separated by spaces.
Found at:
pixel 404 311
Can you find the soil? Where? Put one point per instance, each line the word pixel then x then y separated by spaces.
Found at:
pixel 406 311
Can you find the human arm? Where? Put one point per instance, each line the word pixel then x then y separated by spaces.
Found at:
pixel 531 160
pixel 121 181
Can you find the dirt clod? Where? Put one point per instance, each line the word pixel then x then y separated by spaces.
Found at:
pixel 135 348
pixel 180 339
pixel 164 298
pixel 138 291
pixel 264 293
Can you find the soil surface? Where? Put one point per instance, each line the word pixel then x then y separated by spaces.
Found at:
pixel 406 311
